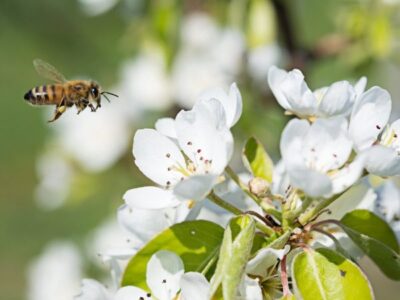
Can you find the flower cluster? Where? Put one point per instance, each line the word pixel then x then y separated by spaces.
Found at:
pixel 338 143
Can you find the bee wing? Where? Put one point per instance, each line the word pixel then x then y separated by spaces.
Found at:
pixel 46 70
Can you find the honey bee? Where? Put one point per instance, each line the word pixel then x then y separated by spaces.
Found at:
pixel 64 93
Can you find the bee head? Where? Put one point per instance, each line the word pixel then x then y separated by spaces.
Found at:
pixel 95 91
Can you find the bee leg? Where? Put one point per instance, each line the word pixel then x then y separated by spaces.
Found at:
pixel 98 104
pixel 92 107
pixel 80 108
pixel 58 112
pixel 81 105
pixel 60 109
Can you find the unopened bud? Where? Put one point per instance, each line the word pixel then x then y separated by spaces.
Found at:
pixel 258 186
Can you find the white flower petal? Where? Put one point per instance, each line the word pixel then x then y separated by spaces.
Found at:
pixel 275 78
pixel 131 293
pixel 142 223
pixel 388 202
pixel 347 176
pixel 338 99
pixel 360 86
pixel 382 161
pixel 93 290
pixel 264 259
pixel 231 103
pixel 369 117
pixel 194 286
pixel 300 98
pixel 359 196
pixel 166 126
pixel 195 187
pixel 250 289
pixel 156 155
pixel 150 197
pixel 164 271
pixel 292 140
pixel 313 183
pixel 326 145
pixel 280 179
pixel 204 137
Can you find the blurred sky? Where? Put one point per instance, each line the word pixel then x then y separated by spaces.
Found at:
pixel 330 40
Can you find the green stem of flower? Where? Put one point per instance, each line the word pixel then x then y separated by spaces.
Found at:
pixel 308 215
pixel 292 215
pixel 236 211
pixel 243 186
pixel 225 205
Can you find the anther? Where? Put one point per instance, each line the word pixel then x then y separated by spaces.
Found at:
pixel 148 295
pixel 378 127
pixel 201 158
pixel 168 155
pixel 198 150
pixel 189 143
pixel 164 281
pixel 168 182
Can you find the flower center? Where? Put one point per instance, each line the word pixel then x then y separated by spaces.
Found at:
pixel 198 163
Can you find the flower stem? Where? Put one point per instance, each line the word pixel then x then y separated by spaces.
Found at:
pixel 284 278
pixel 308 215
pixel 222 203
pixel 243 186
pixel 236 211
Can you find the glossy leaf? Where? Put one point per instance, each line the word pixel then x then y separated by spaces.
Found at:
pixel 384 257
pixel 366 222
pixel 315 278
pixel 325 274
pixel 354 282
pixel 375 238
pixel 257 160
pixel 196 242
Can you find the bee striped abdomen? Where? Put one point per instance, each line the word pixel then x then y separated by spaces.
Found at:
pixel 44 94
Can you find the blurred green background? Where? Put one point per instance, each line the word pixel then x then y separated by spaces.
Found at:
pixel 329 40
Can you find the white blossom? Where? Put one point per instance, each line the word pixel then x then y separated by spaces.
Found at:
pixel 294 95
pixel 56 273
pixel 315 156
pixel 371 134
pixel 145 82
pixel 207 143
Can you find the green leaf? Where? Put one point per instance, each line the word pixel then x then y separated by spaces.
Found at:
pixel 354 282
pixel 234 254
pixel 366 222
pixel 288 297
pixel 257 160
pixel 375 238
pixel 239 255
pixel 196 242
pixel 315 278
pixel 325 274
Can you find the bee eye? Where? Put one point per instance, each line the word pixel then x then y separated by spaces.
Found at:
pixel 95 92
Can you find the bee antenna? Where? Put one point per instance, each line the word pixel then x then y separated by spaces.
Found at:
pixel 106 97
pixel 104 94
pixel 115 95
